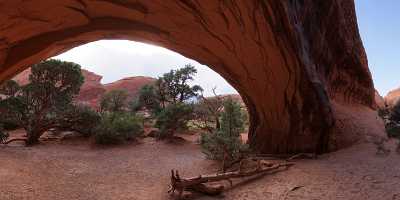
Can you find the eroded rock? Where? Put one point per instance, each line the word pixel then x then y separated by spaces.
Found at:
pixel 289 60
pixel 92 89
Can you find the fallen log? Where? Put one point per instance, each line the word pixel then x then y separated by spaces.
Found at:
pixel 198 183
pixel 287 157
pixel 15 140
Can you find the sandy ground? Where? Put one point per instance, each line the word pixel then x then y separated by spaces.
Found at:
pixel 75 169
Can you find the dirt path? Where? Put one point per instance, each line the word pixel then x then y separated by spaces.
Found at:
pixel 76 170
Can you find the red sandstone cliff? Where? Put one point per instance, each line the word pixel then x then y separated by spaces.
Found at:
pixel 130 84
pixel 295 63
pixel 92 89
pixel 392 97
pixel 379 100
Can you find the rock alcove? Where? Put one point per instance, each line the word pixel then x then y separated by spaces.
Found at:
pixel 299 65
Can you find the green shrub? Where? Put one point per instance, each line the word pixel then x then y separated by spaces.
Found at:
pixel 116 128
pixel 225 144
pixel 80 118
pixel 114 101
pixel 9 124
pixel 220 146
pixel 172 118
pixel 3 135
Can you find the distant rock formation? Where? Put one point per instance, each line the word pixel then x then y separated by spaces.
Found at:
pixel 392 97
pixel 92 89
pixel 379 100
pixel 131 84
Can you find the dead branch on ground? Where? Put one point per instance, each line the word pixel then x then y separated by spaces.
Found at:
pixel 15 140
pixel 198 184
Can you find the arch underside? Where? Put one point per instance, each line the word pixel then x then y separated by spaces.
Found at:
pixel 288 60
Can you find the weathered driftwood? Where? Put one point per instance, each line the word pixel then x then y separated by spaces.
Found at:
pixel 15 140
pixel 198 183
pixel 287 157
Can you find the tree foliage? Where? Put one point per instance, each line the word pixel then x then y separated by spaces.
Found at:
pixel 172 118
pixel 147 98
pixel 171 88
pixel 225 144
pixel 79 118
pixel 207 111
pixel 9 88
pixel 114 101
pixel 39 105
pixel 176 85
pixel 118 127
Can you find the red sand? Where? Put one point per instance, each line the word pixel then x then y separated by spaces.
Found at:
pixel 75 169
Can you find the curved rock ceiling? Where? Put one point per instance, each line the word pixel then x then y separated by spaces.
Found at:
pixel 292 61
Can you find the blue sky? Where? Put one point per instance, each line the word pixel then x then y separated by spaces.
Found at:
pixel 379 25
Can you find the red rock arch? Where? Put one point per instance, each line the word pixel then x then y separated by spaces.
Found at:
pixel 288 59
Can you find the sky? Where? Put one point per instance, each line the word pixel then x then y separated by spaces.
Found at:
pixel 379 26
pixel 117 59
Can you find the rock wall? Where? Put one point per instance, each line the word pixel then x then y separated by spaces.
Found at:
pixel 379 100
pixel 289 60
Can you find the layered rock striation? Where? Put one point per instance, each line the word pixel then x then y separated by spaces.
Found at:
pixel 293 62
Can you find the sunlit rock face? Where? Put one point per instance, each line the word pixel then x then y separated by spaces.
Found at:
pixel 379 100
pixel 392 97
pixel 292 62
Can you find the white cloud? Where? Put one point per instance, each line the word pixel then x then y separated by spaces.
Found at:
pixel 116 59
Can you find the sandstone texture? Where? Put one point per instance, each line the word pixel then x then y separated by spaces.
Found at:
pixel 392 97
pixel 379 100
pixel 131 84
pixel 289 60
pixel 92 89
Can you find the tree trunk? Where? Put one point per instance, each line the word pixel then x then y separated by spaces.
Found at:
pixel 33 137
pixel 217 124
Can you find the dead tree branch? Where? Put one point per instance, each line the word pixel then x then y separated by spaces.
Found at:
pixel 198 183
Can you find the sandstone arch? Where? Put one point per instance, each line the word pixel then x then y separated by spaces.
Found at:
pixel 288 59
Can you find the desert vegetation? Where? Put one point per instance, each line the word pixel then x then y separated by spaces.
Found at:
pixel 46 104
pixel 171 106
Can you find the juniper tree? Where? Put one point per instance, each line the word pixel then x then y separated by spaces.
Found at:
pixel 39 105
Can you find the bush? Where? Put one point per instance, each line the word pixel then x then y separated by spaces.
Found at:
pixel 392 125
pixel 80 118
pixel 114 101
pixel 225 144
pixel 3 135
pixel 172 118
pixel 8 124
pixel 116 128
pixel 220 146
